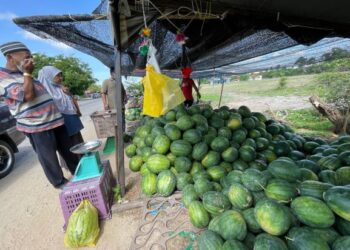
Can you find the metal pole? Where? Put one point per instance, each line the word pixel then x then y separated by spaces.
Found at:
pixel 119 144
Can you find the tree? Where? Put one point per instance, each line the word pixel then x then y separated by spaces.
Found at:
pixel 301 61
pixel 77 76
pixel 335 53
pixel 336 89
pixel 93 88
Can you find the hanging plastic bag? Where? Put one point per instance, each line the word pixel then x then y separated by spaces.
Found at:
pixel 153 96
pixel 83 228
pixel 161 93
pixel 152 59
pixel 172 95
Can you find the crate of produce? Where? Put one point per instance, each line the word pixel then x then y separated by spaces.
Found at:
pixel 97 190
pixel 104 122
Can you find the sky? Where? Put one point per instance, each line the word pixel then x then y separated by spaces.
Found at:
pixel 10 9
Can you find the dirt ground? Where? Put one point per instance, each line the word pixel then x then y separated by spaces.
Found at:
pixel 260 103
pixel 31 216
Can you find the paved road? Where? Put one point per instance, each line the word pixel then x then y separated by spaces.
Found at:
pixel 87 107
pixel 26 153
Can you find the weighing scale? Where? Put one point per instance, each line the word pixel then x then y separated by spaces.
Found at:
pixel 89 165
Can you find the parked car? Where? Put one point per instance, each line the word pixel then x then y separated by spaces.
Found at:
pixel 10 138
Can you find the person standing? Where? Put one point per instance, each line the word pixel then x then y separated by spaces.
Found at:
pixel 35 112
pixel 51 78
pixel 108 93
pixel 186 86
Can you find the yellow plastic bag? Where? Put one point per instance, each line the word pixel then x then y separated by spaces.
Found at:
pixel 161 93
pixel 83 228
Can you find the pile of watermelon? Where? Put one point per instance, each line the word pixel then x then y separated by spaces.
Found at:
pixel 248 181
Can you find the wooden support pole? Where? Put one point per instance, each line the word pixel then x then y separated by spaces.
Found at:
pixel 222 88
pixel 119 144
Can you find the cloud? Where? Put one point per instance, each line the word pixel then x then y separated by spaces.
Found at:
pixel 7 16
pixel 30 36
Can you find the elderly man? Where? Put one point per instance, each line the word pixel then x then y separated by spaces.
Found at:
pixel 35 112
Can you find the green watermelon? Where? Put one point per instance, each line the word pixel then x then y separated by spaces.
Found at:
pixel 265 241
pixel 211 159
pixel 240 165
pixel 193 136
pixel 338 199
pixel 225 132
pixel 330 162
pixel 230 154
pixel 182 164
pixel 188 195
pixel 307 174
pixel 342 243
pixel 343 226
pixel 239 136
pixel 343 175
pixel 284 169
pixel 345 158
pixel 253 180
pixel 280 190
pixel 149 184
pixel 170 116
pixel 157 130
pixel 328 176
pixel 135 163
pixel 252 224
pixel 166 183
pixel 272 217
pixel 239 196
pixel 181 148
pixel 209 240
pixel 182 180
pixel 244 111
pixel 196 167
pixel 309 165
pixel 219 144
pixel 199 217
pixel 314 188
pixel 304 239
pixel 233 245
pixel 310 146
pixel 327 234
pixel 157 163
pixel 216 173
pixel 130 150
pixel 185 122
pixel 234 122
pixel 202 186
pixel 215 202
pixel 312 212
pixel 199 151
pixel 172 132
pixel 144 170
pixel 230 225
pixel 247 153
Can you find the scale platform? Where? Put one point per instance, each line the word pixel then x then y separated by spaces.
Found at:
pixel 90 163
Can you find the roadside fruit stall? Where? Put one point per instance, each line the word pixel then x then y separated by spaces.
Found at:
pixel 225 177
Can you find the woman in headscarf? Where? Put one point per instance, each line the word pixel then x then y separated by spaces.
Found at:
pixel 51 78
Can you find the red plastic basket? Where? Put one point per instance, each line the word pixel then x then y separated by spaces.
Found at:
pixel 98 190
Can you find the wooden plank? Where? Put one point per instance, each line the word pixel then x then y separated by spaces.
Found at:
pixel 119 144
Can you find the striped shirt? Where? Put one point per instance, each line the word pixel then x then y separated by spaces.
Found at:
pixel 37 115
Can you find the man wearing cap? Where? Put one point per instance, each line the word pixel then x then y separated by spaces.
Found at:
pixel 186 86
pixel 35 112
